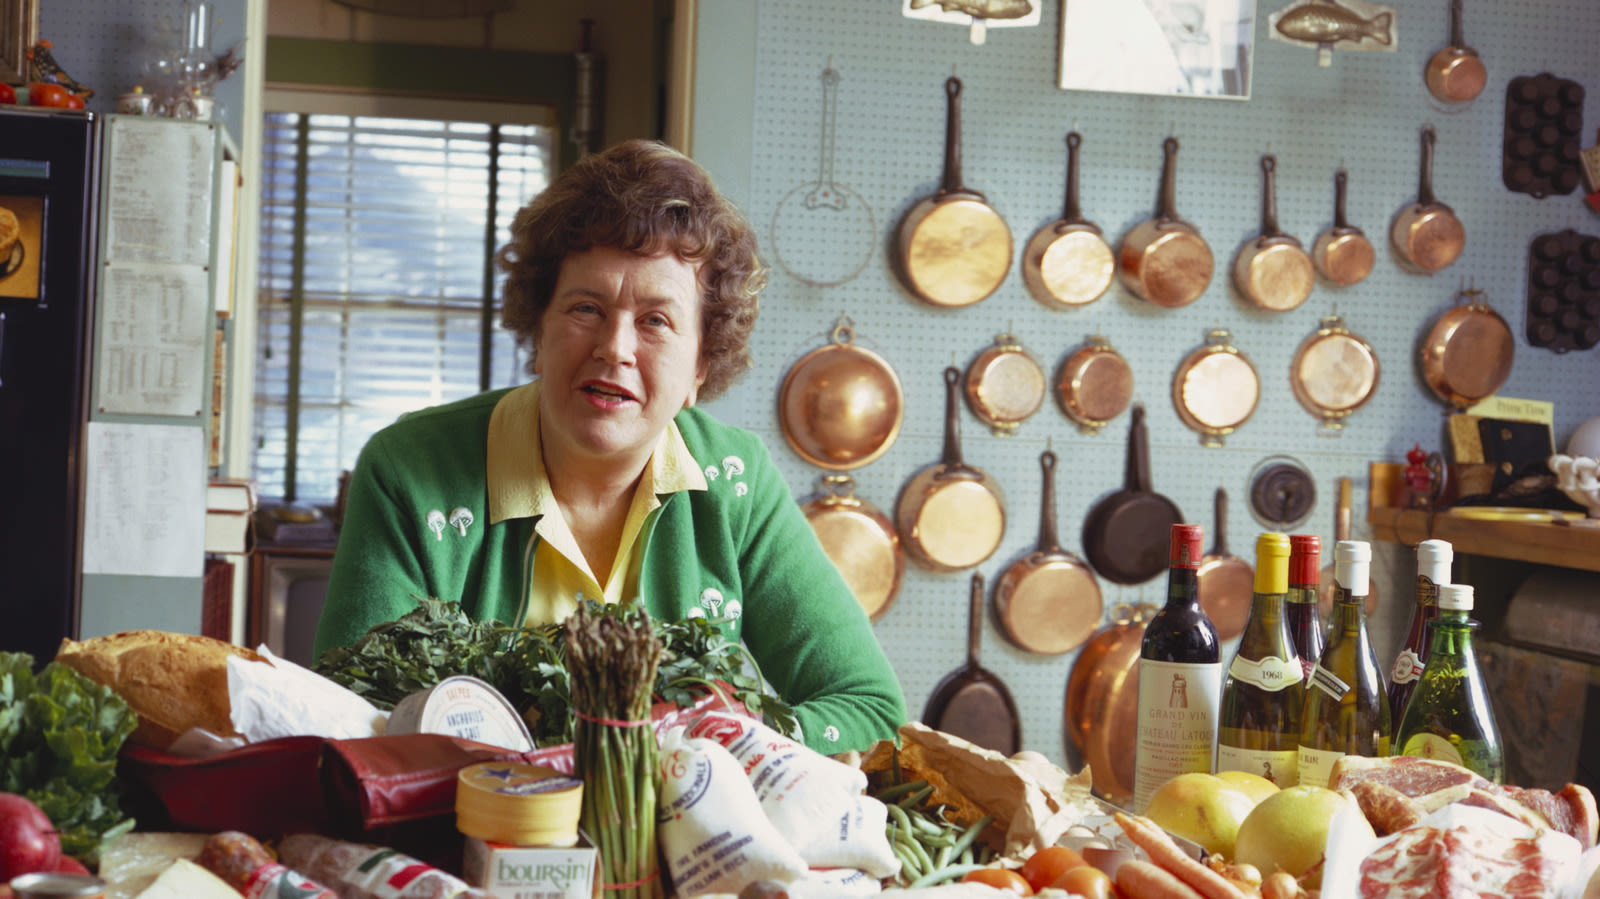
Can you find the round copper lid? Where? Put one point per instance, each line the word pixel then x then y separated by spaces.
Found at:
pixel 1004 385
pixel 841 405
pixel 1334 373
pixel 1216 389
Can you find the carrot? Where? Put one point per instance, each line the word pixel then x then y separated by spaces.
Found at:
pixel 1141 880
pixel 1154 841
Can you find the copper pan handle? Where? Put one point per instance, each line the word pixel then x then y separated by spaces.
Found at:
pixel 1074 212
pixel 974 619
pixel 1269 197
pixel 952 135
pixel 1048 541
pixel 1136 475
pixel 952 419
pixel 1425 195
pixel 1341 181
pixel 1220 547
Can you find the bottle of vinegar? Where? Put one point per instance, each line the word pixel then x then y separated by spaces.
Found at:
pixel 1180 677
pixel 1346 710
pixel 1259 727
pixel 1433 569
pixel 1449 716
pixel 1300 606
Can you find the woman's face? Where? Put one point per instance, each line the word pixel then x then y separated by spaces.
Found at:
pixel 619 351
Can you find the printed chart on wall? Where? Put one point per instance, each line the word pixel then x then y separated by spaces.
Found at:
pixel 1171 47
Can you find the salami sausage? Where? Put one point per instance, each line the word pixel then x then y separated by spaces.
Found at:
pixel 248 867
pixel 359 871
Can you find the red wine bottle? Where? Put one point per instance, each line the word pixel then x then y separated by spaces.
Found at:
pixel 1180 677
pixel 1300 607
pixel 1433 571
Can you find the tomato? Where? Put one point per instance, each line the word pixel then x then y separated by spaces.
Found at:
pixel 1043 867
pixel 1000 879
pixel 8 94
pixel 73 102
pixel 43 93
pixel 1086 880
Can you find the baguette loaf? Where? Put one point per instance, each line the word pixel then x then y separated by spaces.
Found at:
pixel 173 682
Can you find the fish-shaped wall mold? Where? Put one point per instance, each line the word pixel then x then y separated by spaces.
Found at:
pixel 981 9
pixel 1324 24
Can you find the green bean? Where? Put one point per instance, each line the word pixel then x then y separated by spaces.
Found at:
pixel 944 874
pixel 942 859
pixel 916 798
pixel 972 833
pixel 898 816
pixel 890 794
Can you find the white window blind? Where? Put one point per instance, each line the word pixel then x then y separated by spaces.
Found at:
pixel 377 279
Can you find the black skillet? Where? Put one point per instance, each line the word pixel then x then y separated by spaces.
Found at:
pixel 1125 535
pixel 971 702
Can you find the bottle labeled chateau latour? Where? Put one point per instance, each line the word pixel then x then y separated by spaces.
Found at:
pixel 1180 677
pixel 1449 717
pixel 1258 729
pixel 1346 710
pixel 1433 570
pixel 1300 607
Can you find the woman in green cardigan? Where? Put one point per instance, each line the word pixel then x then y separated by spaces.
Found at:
pixel 633 283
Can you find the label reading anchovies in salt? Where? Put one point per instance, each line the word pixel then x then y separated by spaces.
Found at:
pixel 1271 673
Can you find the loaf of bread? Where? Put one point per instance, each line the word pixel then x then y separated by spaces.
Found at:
pixel 173 682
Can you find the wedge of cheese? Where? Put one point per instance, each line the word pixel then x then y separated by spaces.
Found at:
pixel 183 879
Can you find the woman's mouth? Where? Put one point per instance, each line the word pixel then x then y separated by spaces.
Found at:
pixel 610 393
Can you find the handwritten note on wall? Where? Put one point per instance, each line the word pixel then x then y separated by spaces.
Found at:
pixel 144 504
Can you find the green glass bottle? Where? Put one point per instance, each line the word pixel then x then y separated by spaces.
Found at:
pixel 1346 710
pixel 1449 716
pixel 1258 729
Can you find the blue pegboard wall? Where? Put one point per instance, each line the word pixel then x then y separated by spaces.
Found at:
pixel 1364 112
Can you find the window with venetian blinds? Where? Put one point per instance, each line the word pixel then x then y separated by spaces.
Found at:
pixel 378 293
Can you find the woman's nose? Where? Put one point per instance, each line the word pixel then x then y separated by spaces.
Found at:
pixel 617 341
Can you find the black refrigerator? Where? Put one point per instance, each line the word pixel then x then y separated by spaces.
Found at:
pixel 48 202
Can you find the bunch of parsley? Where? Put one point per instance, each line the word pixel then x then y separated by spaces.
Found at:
pixel 60 733
pixel 528 666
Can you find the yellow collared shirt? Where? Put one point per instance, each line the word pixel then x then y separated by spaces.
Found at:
pixel 519 488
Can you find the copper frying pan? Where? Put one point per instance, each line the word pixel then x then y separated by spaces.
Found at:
pixel 1048 601
pixel 1341 531
pixel 1126 534
pixel 1164 259
pixel 1273 271
pixel 950 515
pixel 1456 74
pixel 1095 385
pixel 955 249
pixel 1068 263
pixel 1467 354
pixel 1101 719
pixel 971 702
pixel 1342 253
pixel 1004 385
pixel 1426 234
pixel 860 540
pixel 1226 581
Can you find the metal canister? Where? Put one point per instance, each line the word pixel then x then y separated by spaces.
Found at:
pixel 58 886
pixel 462 706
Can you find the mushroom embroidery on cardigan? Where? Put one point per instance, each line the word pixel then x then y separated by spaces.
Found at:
pixel 461 519
pixel 436 523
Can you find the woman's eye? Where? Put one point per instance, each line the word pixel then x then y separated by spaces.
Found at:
pixel 657 320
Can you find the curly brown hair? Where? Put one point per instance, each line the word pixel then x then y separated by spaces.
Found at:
pixel 644 197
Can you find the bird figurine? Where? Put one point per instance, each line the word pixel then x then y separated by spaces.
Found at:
pixel 42 67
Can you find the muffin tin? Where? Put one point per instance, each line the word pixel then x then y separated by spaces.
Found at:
pixel 1564 291
pixel 1543 117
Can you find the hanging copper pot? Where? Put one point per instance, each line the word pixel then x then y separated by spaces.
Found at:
pixel 954 248
pixel 1274 271
pixel 950 515
pixel 1334 373
pixel 840 405
pixel 1068 262
pixel 1216 388
pixel 1004 385
pixel 860 540
pixel 1048 601
pixel 1164 259
pixel 1456 74
pixel 1101 719
pixel 1426 234
pixel 1342 253
pixel 1095 385
pixel 1227 582
pixel 1467 354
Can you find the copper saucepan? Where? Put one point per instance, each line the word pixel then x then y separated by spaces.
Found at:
pixel 1164 259
pixel 1467 354
pixel 1101 719
pixel 955 249
pixel 1456 74
pixel 1004 385
pixel 1048 601
pixel 1068 262
pixel 840 405
pixel 1342 253
pixel 1226 581
pixel 1426 234
pixel 1216 388
pixel 1273 271
pixel 1095 385
pixel 950 515
pixel 860 540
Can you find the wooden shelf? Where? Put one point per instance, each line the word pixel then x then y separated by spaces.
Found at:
pixel 1570 544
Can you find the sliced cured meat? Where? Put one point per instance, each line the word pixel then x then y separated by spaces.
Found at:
pixel 1457 863
pixel 1417 778
pixel 1388 810
pixel 1571 811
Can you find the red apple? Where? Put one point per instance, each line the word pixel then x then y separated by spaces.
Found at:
pixel 70 865
pixel 28 841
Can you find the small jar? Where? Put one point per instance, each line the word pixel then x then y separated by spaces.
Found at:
pixel 58 886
